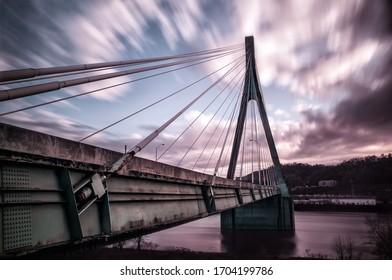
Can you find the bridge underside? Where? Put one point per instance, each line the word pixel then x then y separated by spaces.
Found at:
pixel 40 206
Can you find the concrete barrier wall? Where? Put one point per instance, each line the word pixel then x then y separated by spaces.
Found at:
pixel 22 140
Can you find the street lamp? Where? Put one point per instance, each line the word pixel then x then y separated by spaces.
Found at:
pixel 156 151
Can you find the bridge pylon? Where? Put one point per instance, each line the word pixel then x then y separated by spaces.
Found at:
pixel 275 213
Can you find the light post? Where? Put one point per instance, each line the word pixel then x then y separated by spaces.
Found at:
pixel 156 151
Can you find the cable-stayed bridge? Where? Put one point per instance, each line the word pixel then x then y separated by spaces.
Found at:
pixel 58 191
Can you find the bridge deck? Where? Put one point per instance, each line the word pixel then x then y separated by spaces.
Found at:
pixel 39 186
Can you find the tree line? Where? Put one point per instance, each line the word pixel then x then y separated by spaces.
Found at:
pixel 370 170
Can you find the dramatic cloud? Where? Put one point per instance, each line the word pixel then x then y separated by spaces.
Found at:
pixel 355 127
pixel 48 122
pixel 336 54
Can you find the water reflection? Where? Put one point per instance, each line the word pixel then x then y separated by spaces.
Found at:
pixel 315 234
pixel 259 244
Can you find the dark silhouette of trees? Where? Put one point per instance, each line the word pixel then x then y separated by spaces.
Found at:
pixel 343 248
pixel 380 236
pixel 365 174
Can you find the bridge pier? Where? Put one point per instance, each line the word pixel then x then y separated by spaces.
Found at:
pixel 273 213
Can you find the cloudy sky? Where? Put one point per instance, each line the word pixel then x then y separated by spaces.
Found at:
pixel 324 67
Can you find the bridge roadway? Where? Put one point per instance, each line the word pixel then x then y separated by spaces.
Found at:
pixel 42 199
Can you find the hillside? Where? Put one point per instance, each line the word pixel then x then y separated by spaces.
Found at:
pixel 369 175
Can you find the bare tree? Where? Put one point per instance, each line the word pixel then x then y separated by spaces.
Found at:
pixel 343 248
pixel 141 242
pixel 380 235
pixel 338 248
pixel 349 248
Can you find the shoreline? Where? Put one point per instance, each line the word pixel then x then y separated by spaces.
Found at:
pixel 342 208
pixel 116 253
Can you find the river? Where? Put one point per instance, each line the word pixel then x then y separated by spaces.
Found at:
pixel 315 234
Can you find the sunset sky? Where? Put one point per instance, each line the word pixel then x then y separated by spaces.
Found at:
pixel 325 68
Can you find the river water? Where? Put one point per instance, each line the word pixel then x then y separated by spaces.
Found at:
pixel 315 234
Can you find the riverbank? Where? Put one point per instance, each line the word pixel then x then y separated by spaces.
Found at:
pixel 337 208
pixel 115 253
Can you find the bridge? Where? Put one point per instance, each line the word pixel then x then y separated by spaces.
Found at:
pixel 57 191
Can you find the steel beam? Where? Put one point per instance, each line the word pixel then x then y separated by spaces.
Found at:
pixel 38 207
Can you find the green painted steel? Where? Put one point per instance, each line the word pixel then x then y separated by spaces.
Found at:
pixel 39 209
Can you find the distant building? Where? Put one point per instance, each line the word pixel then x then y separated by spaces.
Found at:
pixel 355 201
pixel 334 200
pixel 328 183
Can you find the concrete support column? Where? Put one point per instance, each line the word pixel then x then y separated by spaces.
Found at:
pixel 273 213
